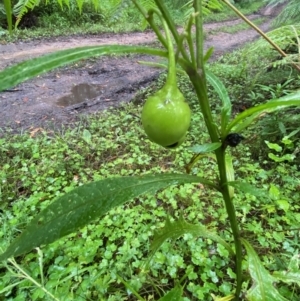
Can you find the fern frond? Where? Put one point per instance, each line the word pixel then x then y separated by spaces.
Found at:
pixel 290 14
pixel 67 2
pixel 80 4
pixel 21 8
pixel 62 2
pixel 274 2
pixel 147 4
pixel 282 36
pixel 207 7
pixel 113 8
pixel 96 4
pixel 285 37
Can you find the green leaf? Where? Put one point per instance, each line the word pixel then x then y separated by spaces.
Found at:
pixel 262 287
pixel 292 274
pixel 7 6
pixel 242 120
pixel 286 157
pixel 283 205
pixel 16 74
pixel 86 136
pixel 246 122
pixel 8 288
pixel 223 94
pixel 162 65
pixel 130 288
pixel 175 294
pixel 195 159
pixel 227 298
pixel 208 54
pixel 274 192
pixel 86 203
pixel 205 148
pixel 173 230
pixel 247 188
pixel 22 7
pixel 274 146
pixel 229 173
pixel 293 133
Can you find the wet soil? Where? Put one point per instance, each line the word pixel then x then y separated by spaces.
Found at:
pixel 61 96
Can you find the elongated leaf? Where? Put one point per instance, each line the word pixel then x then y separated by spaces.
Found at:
pixel 274 146
pixel 16 74
pixel 7 6
pixel 130 288
pixel 173 230
pixel 243 119
pixel 86 136
pixel 10 287
pixel 247 188
pixel 205 148
pixel 262 287
pixel 162 65
pixel 227 298
pixel 223 94
pixel 286 157
pixel 174 294
pixel 82 205
pixel 229 173
pixel 208 54
pixel 196 158
pixel 292 274
pixel 246 122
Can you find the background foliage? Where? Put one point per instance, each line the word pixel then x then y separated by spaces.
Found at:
pixel 40 167
pixel 290 15
pixel 62 14
pixel 105 260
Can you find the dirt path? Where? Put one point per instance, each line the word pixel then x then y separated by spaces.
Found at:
pixel 59 97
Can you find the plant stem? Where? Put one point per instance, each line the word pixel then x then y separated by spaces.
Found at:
pixel 274 45
pixel 199 33
pixel 171 79
pixel 8 11
pixel 27 276
pixel 165 13
pixel 129 287
pixel 200 86
pixel 220 154
pixel 149 17
pixel 190 39
pixel 198 80
pixel 40 253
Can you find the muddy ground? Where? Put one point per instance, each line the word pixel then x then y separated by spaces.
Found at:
pixel 59 97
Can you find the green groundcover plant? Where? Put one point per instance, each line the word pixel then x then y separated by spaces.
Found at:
pixel 166 119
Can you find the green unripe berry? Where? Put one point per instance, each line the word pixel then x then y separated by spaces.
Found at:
pixel 166 117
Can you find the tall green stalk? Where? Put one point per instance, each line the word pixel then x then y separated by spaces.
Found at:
pixel 196 72
pixel 166 15
pixel 198 80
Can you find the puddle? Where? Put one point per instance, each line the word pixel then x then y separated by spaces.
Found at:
pixel 79 93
